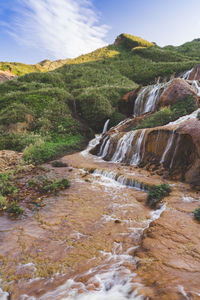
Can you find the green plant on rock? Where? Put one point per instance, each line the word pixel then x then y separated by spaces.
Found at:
pixel 59 164
pixel 196 213
pixel 3 202
pixel 6 185
pixel 14 209
pixel 157 193
pixel 57 185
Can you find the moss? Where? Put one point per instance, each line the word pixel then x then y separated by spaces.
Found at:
pixel 14 209
pixel 157 193
pixel 196 213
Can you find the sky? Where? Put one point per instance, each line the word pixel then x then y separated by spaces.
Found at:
pixel 34 30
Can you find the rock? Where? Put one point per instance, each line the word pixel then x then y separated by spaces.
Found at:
pixel 195 74
pixel 175 91
pixel 5 75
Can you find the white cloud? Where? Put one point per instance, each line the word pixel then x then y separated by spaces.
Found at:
pixel 62 28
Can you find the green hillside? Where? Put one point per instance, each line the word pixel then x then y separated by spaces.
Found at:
pixel 47 113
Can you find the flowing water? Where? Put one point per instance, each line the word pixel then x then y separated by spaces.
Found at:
pixel 186 75
pixel 147 99
pixel 105 128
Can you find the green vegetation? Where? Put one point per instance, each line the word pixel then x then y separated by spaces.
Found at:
pixel 45 184
pixel 6 185
pixel 42 112
pixel 182 107
pixel 191 49
pixel 14 209
pixel 43 150
pixel 59 164
pixel 3 202
pixel 157 193
pixel 196 213
pixel 129 41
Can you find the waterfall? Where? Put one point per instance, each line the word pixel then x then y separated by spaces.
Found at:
pixel 196 86
pixel 147 104
pixel 105 128
pixel 136 158
pixel 186 75
pixel 138 107
pixel 176 148
pixel 123 147
pixel 152 98
pixel 168 147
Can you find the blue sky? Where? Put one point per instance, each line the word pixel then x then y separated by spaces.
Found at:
pixel 33 30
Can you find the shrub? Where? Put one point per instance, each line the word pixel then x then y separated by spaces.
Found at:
pixel 43 151
pixel 57 185
pixel 157 193
pixel 16 141
pixel 14 209
pixel 6 186
pixel 45 184
pixel 3 202
pixel 59 164
pixel 196 213
pixel 182 107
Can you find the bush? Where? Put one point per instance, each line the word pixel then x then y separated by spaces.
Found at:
pixel 14 209
pixel 3 202
pixel 45 184
pixel 157 193
pixel 196 213
pixel 43 151
pixel 59 164
pixel 6 186
pixel 16 141
pixel 182 107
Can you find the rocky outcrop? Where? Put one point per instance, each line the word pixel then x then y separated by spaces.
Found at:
pixel 195 73
pixel 172 150
pixel 174 91
pixel 4 76
pixel 152 98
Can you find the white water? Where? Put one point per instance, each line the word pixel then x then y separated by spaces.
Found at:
pixel 122 180
pixel 186 75
pixel 105 128
pixel 136 158
pixel 196 86
pixel 176 148
pixel 123 146
pixel 111 280
pixel 151 94
pixel 193 115
pixel 168 147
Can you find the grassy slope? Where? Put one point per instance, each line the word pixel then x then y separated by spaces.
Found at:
pixel 90 86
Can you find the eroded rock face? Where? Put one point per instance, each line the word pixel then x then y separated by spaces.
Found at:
pixel 4 76
pixel 172 150
pixel 152 98
pixel 175 91
pixel 195 74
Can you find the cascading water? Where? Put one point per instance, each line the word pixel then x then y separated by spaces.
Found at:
pixel 136 158
pixel 186 75
pixel 147 98
pixel 123 147
pixel 196 86
pixel 168 147
pixel 105 128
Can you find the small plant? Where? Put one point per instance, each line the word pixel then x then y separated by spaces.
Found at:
pixel 196 213
pixel 59 164
pixel 157 193
pixel 15 209
pixel 3 203
pixel 57 185
pixel 6 186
